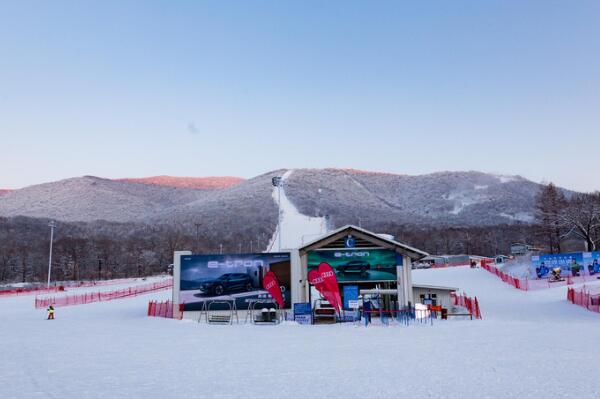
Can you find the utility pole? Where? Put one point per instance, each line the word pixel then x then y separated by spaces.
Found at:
pixel 277 182
pixel 220 248
pixel 52 226
pixel 197 237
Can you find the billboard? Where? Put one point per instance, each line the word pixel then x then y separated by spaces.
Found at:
pixel 229 277
pixel 358 264
pixel 587 262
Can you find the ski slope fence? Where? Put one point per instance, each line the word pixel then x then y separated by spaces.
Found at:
pixel 30 291
pixel 164 309
pixel 527 284
pixel 63 286
pixel 471 304
pixel 584 298
pixel 91 297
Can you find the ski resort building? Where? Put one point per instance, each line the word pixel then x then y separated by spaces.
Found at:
pixel 365 263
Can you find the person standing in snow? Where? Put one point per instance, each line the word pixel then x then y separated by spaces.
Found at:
pixel 50 312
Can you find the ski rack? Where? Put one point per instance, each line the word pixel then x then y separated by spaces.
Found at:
pixel 219 318
pixel 252 303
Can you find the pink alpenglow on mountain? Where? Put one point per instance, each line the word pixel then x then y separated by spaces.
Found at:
pixel 202 183
pixel 4 191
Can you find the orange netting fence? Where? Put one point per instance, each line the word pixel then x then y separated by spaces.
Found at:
pixel 165 309
pixel 62 286
pixel 90 297
pixel 585 298
pixel 471 304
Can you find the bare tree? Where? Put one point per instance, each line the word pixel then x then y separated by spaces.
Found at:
pixel 550 203
pixel 582 214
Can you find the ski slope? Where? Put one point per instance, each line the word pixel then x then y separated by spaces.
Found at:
pixel 529 345
pixel 296 228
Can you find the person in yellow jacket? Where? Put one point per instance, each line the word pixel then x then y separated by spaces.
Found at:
pixel 50 312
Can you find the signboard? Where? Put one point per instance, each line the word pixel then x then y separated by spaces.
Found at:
pixel 587 262
pixel 350 295
pixel 227 277
pixel 303 313
pixel 358 264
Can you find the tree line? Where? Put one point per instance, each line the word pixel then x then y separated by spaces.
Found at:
pixel 104 250
pixel 559 214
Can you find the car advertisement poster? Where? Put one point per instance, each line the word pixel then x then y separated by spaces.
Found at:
pixel 231 277
pixel 574 264
pixel 356 265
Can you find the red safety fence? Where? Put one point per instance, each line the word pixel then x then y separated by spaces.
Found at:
pixel 471 304
pixel 527 284
pixel 585 298
pixel 62 286
pixel 30 291
pixel 91 297
pixel 165 309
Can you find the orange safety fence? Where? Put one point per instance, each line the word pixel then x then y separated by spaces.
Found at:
pixel 62 286
pixel 471 304
pixel 165 309
pixel 585 298
pixel 90 297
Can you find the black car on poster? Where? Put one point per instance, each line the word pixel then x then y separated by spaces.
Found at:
pixel 360 267
pixel 226 284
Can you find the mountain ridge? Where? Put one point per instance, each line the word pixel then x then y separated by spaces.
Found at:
pixel 459 198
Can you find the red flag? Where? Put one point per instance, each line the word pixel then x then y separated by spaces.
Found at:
pixel 315 278
pixel 271 284
pixel 330 280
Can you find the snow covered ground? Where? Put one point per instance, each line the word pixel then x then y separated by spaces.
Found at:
pixel 529 345
pixel 296 228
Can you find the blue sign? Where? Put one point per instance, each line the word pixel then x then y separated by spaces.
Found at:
pixel 302 308
pixel 350 294
pixel 350 242
pixel 303 313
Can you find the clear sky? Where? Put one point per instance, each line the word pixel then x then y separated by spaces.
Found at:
pixel 203 88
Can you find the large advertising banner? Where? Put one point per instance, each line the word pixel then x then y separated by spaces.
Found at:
pixel 226 277
pixel 358 265
pixel 574 264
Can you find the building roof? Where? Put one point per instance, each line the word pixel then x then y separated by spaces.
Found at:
pixel 377 239
pixel 435 287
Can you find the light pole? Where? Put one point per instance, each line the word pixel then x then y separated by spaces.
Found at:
pixel 52 226
pixel 277 182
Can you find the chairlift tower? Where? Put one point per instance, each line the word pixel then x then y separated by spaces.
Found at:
pixel 52 226
pixel 278 182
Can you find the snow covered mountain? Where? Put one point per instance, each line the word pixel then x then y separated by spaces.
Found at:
pixel 451 198
pixel 201 183
pixel 345 195
pixel 4 191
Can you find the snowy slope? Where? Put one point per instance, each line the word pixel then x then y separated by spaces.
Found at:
pixel 529 345
pixel 296 228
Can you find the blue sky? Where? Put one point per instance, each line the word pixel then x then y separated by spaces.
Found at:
pixel 125 88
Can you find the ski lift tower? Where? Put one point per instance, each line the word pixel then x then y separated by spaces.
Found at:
pixel 278 182
pixel 52 226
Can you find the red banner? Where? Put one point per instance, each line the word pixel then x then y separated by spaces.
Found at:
pixel 322 282
pixel 271 284
pixel 330 281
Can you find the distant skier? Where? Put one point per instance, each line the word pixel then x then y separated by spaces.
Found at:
pixel 50 312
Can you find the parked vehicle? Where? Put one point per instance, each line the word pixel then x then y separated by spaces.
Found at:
pixel 354 266
pixel 227 283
